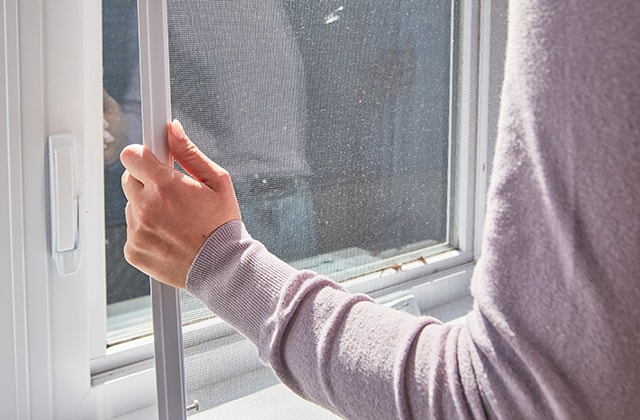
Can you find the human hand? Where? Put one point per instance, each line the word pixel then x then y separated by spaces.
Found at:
pixel 170 214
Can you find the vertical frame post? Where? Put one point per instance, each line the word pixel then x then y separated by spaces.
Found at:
pixel 156 112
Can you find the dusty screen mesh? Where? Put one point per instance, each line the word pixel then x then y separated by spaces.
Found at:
pixel 333 119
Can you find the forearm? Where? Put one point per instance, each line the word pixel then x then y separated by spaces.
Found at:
pixel 338 349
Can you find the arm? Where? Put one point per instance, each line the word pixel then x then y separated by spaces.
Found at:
pixel 357 358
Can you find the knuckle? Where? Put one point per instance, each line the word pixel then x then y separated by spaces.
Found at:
pixel 131 254
pixel 144 218
pixel 223 176
pixel 125 179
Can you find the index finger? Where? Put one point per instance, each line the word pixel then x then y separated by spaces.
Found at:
pixel 141 163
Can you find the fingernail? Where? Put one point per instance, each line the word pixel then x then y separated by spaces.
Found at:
pixel 177 129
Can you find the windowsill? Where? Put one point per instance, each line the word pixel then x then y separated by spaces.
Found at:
pixel 260 405
pixel 273 403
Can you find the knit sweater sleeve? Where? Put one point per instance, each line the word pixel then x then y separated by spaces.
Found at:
pixel 341 350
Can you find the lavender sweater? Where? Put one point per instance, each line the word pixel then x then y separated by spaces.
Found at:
pixel 555 329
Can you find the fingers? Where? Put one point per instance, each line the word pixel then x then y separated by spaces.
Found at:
pixel 196 163
pixel 142 164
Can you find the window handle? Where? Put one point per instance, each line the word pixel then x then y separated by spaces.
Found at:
pixel 63 193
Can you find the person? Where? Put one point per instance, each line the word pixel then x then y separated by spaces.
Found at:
pixel 555 327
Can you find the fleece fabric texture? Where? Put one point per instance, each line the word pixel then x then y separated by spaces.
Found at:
pixel 555 328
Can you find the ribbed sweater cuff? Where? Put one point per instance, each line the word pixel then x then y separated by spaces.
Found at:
pixel 238 278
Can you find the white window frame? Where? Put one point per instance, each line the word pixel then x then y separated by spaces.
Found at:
pixel 50 67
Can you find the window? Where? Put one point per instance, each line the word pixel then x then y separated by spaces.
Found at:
pixel 339 124
pixel 333 119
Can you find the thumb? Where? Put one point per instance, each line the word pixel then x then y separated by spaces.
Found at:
pixel 187 154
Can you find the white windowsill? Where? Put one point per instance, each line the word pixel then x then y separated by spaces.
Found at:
pixel 273 403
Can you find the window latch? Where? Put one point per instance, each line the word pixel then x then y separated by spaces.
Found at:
pixel 63 193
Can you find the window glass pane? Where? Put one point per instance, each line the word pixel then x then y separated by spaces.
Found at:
pixel 128 299
pixel 333 118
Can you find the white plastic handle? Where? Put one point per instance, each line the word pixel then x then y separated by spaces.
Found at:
pixel 64 202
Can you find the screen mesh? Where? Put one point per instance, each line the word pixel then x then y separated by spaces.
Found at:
pixel 333 119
